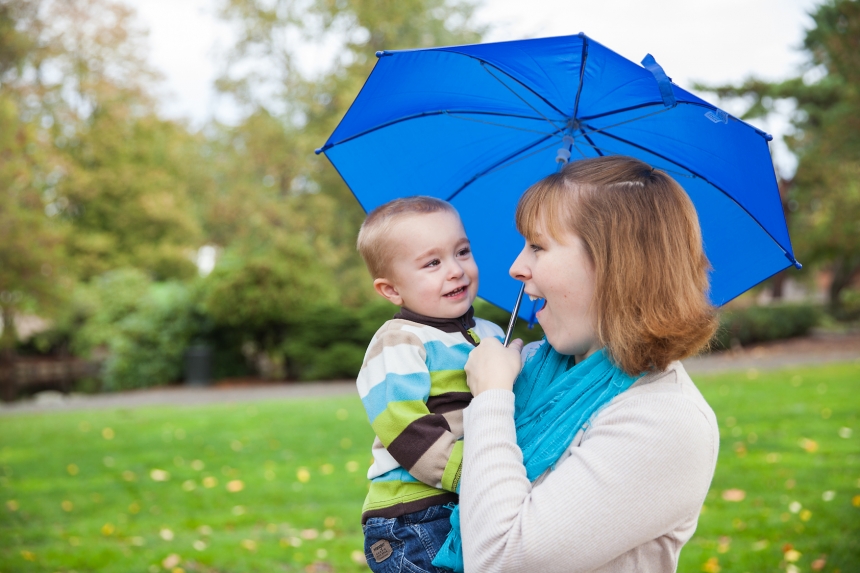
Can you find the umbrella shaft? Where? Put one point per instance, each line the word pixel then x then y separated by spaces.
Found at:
pixel 514 315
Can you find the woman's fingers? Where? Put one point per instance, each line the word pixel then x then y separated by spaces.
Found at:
pixel 491 366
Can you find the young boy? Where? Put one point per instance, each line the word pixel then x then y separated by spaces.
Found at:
pixel 412 381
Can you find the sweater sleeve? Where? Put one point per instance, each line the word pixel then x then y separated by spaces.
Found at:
pixel 394 385
pixel 642 468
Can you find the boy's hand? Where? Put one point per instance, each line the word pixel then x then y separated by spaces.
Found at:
pixel 491 366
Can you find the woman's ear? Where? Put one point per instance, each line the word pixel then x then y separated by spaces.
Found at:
pixel 388 290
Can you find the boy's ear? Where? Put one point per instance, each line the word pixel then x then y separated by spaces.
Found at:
pixel 388 290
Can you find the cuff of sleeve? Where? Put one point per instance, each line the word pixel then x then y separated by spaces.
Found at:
pixel 453 469
pixel 488 405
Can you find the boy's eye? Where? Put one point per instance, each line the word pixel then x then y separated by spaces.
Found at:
pixel 464 251
pixel 433 263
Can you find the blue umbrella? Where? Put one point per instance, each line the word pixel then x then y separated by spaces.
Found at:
pixel 476 125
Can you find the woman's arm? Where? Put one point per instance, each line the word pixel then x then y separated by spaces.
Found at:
pixel 641 470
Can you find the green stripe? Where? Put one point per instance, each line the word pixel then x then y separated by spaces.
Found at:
pixel 444 381
pixel 388 493
pixel 451 475
pixel 396 417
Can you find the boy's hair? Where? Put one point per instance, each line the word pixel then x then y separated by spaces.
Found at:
pixel 373 244
pixel 642 233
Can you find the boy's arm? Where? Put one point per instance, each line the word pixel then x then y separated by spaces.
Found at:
pixel 394 385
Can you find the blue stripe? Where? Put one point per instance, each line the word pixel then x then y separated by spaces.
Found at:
pixel 443 357
pixel 397 474
pixel 396 388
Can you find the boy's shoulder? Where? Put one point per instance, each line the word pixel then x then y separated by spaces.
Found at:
pixel 484 328
pixel 402 328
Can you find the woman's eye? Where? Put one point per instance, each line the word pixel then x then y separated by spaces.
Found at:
pixel 535 248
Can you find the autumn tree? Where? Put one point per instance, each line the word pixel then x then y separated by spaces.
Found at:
pixel 290 109
pixel 824 194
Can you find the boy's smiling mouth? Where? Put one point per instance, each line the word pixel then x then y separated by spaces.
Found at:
pixel 456 292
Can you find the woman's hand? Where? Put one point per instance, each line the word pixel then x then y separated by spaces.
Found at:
pixel 491 366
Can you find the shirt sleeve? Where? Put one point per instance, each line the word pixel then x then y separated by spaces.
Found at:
pixel 394 385
pixel 643 468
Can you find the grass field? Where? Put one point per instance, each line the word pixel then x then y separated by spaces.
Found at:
pixel 278 486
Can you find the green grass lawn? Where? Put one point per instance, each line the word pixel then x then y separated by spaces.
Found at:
pixel 278 486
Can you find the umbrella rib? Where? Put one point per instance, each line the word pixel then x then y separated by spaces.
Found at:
pixel 485 64
pixel 584 59
pixel 715 186
pixel 418 116
pixel 600 151
pixel 631 120
pixel 503 163
pixel 499 124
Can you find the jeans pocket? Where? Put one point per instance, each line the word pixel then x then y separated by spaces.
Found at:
pixel 382 549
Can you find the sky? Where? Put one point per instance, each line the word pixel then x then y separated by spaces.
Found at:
pixel 708 41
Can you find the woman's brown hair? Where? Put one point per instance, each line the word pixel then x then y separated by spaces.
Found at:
pixel 642 233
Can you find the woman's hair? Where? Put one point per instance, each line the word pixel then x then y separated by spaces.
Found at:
pixel 373 241
pixel 642 233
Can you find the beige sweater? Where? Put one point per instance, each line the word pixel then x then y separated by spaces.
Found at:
pixel 626 495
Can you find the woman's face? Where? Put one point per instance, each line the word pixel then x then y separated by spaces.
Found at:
pixel 562 274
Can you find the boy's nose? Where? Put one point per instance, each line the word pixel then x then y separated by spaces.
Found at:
pixel 455 271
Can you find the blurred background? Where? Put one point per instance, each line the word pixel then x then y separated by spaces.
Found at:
pixel 161 205
pixel 165 223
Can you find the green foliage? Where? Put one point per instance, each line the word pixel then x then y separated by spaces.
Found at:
pixel 330 341
pixel 150 342
pixel 765 323
pixel 302 467
pixel 144 327
pixel 824 196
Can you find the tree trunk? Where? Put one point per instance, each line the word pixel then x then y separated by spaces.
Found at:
pixel 844 270
pixel 8 388
pixel 777 282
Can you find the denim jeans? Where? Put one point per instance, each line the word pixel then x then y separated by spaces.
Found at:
pixel 407 543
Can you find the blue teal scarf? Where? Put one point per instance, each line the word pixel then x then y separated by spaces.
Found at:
pixel 554 399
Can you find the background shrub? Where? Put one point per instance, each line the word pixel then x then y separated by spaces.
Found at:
pixel 764 323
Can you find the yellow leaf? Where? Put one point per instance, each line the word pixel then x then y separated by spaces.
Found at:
pixel 108 433
pixel 235 485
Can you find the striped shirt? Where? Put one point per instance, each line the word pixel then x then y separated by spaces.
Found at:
pixel 413 386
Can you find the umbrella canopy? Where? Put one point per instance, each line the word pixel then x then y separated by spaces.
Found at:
pixel 476 125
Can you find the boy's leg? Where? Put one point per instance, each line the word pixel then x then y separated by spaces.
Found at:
pixel 406 543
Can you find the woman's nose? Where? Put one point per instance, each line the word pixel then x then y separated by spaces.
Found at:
pixel 519 269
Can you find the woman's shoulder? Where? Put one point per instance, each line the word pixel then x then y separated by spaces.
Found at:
pixel 668 397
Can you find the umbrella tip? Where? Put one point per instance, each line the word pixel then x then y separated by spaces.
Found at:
pixel 382 53
pixel 318 150
pixel 793 261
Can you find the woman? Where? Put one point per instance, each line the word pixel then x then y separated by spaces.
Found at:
pixel 614 249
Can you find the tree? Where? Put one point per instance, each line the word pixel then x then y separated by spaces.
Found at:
pixel 30 261
pixel 290 112
pixel 824 195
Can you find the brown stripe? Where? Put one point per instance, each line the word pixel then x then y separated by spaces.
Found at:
pixel 448 402
pixel 417 438
pixel 410 506
pixel 391 338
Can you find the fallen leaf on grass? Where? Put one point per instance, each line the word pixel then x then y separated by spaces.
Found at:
pixel 819 563
pixel 792 555
pixel 358 557
pixel 249 544
pixel 235 485
pixel 712 565
pixel 734 495
pixel 167 535
pixel 810 446
pixel 171 561
pixel 159 475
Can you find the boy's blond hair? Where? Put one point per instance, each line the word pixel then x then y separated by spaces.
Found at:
pixel 642 233
pixel 373 243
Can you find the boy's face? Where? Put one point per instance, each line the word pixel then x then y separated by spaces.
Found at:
pixel 432 271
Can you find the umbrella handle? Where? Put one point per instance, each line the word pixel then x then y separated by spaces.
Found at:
pixel 514 315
